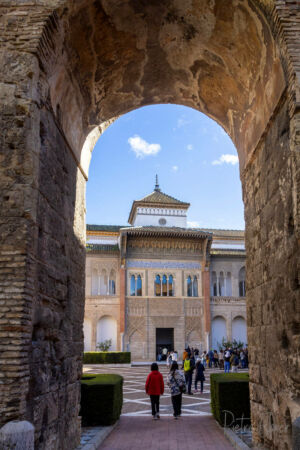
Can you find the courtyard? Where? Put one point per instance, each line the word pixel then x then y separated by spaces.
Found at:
pixel 136 429
pixel 136 402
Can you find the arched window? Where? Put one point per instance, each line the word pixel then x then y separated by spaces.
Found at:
pixel 221 284
pixel 164 286
pixel 95 282
pixel 171 286
pixel 132 285
pixel 189 287
pixel 112 283
pixel 139 285
pixel 157 286
pixel 103 283
pixel 228 284
pixel 242 282
pixel 195 287
pixel 214 285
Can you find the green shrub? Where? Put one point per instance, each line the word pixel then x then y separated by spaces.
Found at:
pixel 230 392
pixel 101 399
pixel 106 358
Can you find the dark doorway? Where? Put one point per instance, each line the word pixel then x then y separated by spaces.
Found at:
pixel 164 340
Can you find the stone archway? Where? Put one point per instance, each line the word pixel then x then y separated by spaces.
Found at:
pixel 106 330
pixel 218 332
pixel 67 70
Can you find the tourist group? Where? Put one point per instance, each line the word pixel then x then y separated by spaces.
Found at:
pixel 179 382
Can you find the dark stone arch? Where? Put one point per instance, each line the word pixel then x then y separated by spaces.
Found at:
pixel 55 91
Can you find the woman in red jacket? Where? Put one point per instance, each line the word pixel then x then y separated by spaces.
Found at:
pixel 154 387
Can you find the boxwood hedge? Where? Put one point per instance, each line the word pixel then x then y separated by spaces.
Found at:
pixel 101 399
pixel 106 358
pixel 230 392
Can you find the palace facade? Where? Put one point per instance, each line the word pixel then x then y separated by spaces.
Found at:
pixel 158 283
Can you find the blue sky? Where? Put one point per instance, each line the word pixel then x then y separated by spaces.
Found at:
pixel 194 158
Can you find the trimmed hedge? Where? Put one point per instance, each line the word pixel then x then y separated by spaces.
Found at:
pixel 101 399
pixel 106 358
pixel 230 392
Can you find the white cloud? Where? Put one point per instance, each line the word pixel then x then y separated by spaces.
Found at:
pixel 190 147
pixel 141 148
pixel 226 159
pixel 193 224
pixel 174 168
pixel 182 122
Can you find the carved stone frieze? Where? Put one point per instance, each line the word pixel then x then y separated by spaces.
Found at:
pixel 218 300
pixel 137 311
pixel 162 264
pixel 166 245
pixel 135 323
pixel 192 323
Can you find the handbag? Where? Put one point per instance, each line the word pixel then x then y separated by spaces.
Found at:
pixel 182 387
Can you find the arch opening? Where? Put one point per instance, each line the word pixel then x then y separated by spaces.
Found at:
pixel 232 73
pixel 107 330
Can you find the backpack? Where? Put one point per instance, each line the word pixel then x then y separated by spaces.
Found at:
pixel 187 365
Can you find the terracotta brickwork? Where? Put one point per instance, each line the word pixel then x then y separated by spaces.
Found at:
pixel 67 69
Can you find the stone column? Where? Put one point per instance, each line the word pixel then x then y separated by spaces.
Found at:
pixel 229 327
pixel 94 334
pixel 122 298
pixel 206 295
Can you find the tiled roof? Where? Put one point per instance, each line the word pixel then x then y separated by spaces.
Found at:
pixel 159 197
pixel 102 248
pixel 167 231
pixel 113 228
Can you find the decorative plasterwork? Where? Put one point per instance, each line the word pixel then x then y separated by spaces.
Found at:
pixel 191 324
pixel 174 244
pixel 227 299
pixel 135 323
pixel 162 265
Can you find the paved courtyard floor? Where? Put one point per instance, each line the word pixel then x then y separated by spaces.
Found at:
pixel 136 403
pixel 136 430
pixel 187 433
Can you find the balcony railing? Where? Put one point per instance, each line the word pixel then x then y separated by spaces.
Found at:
pixel 223 299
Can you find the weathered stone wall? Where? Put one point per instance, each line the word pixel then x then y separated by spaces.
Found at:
pixel 59 280
pixel 273 285
pixel 42 245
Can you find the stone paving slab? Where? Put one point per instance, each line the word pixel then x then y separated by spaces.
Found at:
pixel 187 433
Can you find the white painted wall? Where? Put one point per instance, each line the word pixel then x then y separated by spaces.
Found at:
pixel 107 329
pixel 151 217
pixel 218 331
pixel 239 330
pixel 87 333
pixel 107 240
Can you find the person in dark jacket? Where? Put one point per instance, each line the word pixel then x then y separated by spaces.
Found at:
pixel 199 375
pixel 155 388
